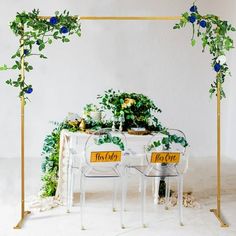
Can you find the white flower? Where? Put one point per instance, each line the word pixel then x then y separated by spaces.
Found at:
pixel 72 116
pixel 221 59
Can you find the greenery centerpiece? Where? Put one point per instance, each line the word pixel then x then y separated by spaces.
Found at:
pixel 135 110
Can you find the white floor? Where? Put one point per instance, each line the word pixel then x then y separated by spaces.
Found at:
pixel 101 221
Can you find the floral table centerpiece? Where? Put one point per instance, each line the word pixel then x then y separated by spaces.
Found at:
pixel 135 110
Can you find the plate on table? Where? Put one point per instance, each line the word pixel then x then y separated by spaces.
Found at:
pixel 138 131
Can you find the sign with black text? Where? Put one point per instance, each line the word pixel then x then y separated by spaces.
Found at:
pixel 165 157
pixel 105 156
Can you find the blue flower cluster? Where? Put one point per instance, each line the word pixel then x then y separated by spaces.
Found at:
pixel 53 20
pixel 26 52
pixel 64 30
pixel 203 23
pixel 193 8
pixel 29 90
pixel 217 67
pixel 192 18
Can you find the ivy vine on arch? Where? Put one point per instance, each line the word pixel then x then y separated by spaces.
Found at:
pixel 214 34
pixel 35 34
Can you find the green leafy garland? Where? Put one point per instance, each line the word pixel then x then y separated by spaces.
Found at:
pixel 35 34
pixel 167 141
pixel 50 153
pixel 108 138
pixel 213 33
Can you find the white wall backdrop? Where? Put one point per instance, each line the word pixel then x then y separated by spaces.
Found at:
pixel 146 57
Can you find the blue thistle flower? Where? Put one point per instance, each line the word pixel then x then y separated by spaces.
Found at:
pixel 53 20
pixel 193 8
pixel 217 67
pixel 203 23
pixel 64 30
pixel 29 90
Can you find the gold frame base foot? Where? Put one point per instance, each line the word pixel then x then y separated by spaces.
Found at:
pixel 222 222
pixel 20 223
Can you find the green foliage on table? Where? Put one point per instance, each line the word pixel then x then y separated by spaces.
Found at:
pixel 136 110
pixel 50 155
pixel 36 34
pixel 214 35
pixel 108 138
pixel 89 108
pixel 49 183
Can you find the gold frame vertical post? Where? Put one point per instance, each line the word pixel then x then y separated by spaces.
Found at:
pixel 22 122
pixel 217 211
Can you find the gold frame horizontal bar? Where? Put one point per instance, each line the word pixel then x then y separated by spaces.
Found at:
pixel 130 17
pixel 150 18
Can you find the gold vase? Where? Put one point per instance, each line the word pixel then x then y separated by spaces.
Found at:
pixel 82 125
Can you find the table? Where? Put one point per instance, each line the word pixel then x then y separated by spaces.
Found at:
pixel 75 141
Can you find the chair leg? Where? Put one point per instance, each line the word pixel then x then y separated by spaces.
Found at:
pixel 180 199
pixel 82 201
pixel 125 186
pixel 114 195
pixel 122 202
pixel 156 189
pixel 140 184
pixel 140 178
pixel 143 200
pixel 72 190
pixel 69 189
pixel 167 193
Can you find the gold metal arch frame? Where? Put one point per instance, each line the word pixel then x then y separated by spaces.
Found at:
pixel 24 213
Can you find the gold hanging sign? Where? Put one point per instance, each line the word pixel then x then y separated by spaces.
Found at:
pixel 165 157
pixel 106 156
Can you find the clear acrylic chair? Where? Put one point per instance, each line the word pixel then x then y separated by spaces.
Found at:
pixel 166 159
pixel 73 166
pixel 104 155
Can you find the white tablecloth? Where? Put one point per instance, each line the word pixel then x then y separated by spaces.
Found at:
pixel 77 140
